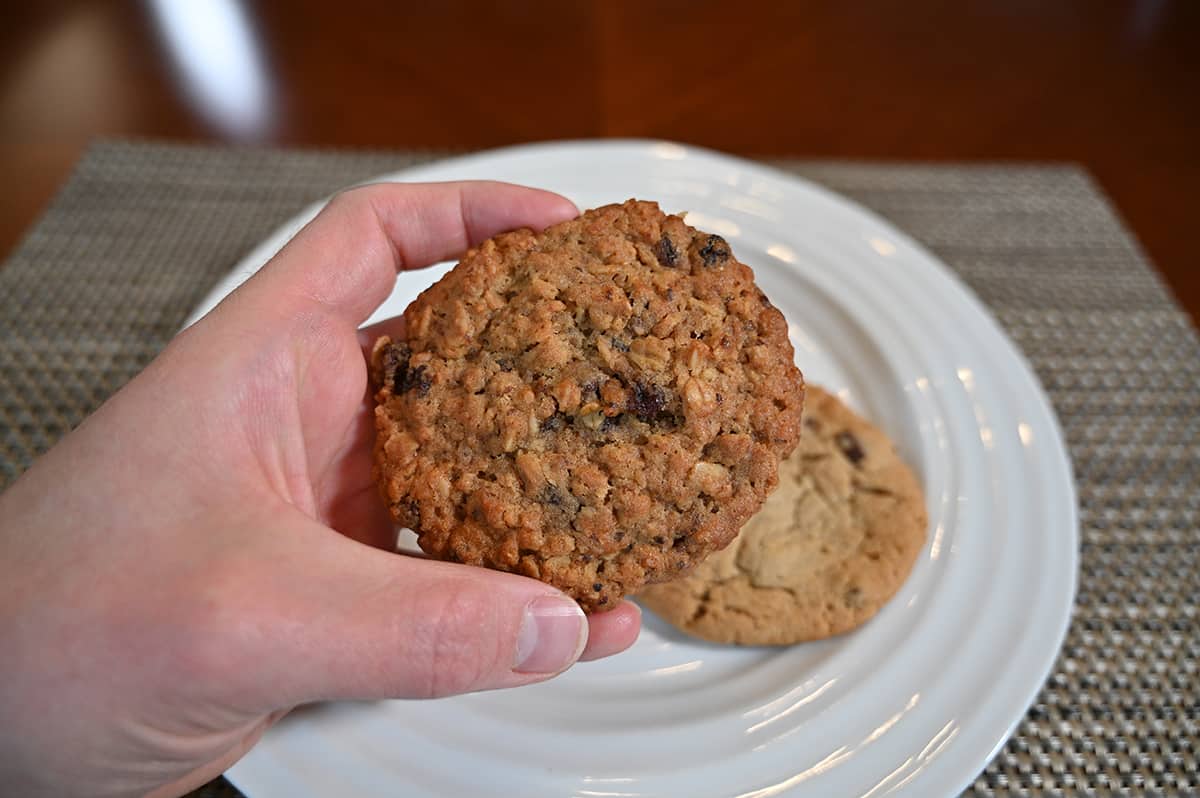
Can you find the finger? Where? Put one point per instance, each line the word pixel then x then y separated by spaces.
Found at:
pixel 612 632
pixel 393 328
pixel 346 259
pixel 344 621
pixel 347 495
pixel 360 515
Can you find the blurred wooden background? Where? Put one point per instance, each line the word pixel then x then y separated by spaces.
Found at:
pixel 1114 85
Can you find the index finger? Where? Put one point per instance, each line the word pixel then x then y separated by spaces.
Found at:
pixel 346 259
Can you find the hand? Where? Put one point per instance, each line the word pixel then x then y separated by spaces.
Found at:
pixel 172 580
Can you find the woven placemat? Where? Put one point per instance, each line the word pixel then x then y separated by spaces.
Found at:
pixel 141 231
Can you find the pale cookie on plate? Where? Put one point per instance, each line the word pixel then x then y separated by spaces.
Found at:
pixel 827 550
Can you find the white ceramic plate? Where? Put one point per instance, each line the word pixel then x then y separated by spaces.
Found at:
pixel 914 703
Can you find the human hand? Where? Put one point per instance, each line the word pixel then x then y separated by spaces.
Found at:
pixel 170 579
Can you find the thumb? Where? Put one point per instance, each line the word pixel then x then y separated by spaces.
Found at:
pixel 346 259
pixel 364 624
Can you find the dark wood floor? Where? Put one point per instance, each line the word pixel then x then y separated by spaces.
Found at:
pixel 1112 85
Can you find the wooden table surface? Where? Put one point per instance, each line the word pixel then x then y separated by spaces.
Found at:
pixel 1112 85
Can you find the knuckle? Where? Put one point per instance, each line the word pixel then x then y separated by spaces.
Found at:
pixel 349 199
pixel 355 208
pixel 360 202
pixel 461 653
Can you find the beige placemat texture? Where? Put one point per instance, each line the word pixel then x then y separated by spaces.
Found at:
pixel 142 230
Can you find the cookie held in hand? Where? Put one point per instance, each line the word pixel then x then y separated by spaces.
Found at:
pixel 599 406
pixel 828 549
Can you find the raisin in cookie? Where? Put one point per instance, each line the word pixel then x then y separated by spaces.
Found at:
pixel 827 550
pixel 598 406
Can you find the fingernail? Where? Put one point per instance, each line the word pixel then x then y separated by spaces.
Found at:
pixel 553 634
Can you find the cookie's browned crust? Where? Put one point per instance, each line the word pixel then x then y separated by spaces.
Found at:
pixel 828 549
pixel 597 406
